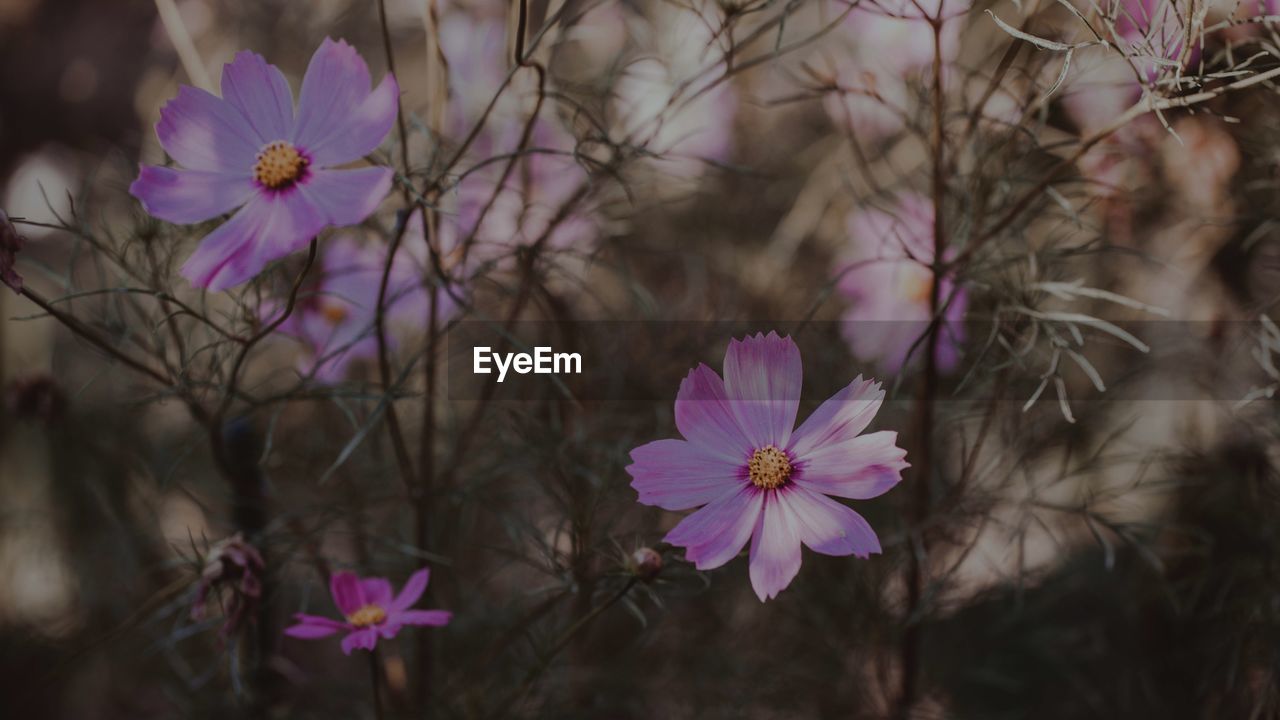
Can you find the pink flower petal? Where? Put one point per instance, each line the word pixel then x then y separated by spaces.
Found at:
pixel 270 226
pixel 865 467
pixel 260 92
pixel 311 627
pixel 433 618
pixel 842 417
pixel 190 196
pixel 347 592
pixel 203 132
pixel 412 591
pixel 346 197
pixel 762 377
pixel 775 548
pixel 377 591
pixel 705 418
pixel 715 534
pixel 365 639
pixel 828 527
pixel 339 119
pixel 678 475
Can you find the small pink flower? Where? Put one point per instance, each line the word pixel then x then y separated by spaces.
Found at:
pixel 249 149
pixel 10 245
pixel 369 610
pixel 755 478
pixel 888 280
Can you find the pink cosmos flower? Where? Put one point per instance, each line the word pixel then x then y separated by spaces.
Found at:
pixel 336 318
pixel 482 221
pixel 663 100
pixel 10 244
pixel 887 44
pixel 369 610
pixel 249 149
pixel 755 478
pixel 888 281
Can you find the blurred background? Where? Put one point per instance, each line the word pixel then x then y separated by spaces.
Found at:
pixel 1049 228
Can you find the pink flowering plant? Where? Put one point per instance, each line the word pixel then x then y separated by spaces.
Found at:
pixel 370 611
pixel 310 302
pixel 758 477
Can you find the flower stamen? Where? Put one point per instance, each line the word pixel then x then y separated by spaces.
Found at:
pixel 279 165
pixel 769 468
pixel 367 616
pixel 335 314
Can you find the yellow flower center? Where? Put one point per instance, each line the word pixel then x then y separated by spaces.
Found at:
pixel 335 314
pixel 768 468
pixel 367 615
pixel 279 165
pixel 916 285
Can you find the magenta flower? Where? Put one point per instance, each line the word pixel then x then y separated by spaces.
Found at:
pixel 251 150
pixel 888 280
pixel 10 245
pixel 336 318
pixel 370 611
pixel 755 478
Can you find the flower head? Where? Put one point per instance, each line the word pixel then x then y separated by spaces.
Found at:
pixel 232 562
pixel 888 44
pixel 889 281
pixel 755 477
pixel 251 150
pixel 10 244
pixel 369 610
pixel 336 318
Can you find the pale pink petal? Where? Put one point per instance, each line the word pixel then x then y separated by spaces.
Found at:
pixel 762 377
pixel 864 467
pixel 704 417
pixel 346 197
pixel 203 132
pixel 412 590
pixel 190 196
pixel 339 119
pixel 433 618
pixel 310 627
pixel 365 639
pixel 347 592
pixel 842 417
pixel 260 92
pixel 715 534
pixel 377 591
pixel 775 548
pixel 678 475
pixel 826 526
pixel 270 226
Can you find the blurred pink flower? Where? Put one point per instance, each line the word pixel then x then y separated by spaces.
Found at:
pixel 888 280
pixel 755 478
pixel 369 610
pixel 250 150
pixel 485 216
pixel 887 44
pixel 336 316
pixel 10 245
pixel 665 101
pixel 232 562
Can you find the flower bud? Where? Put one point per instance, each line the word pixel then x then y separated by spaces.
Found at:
pixel 646 563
